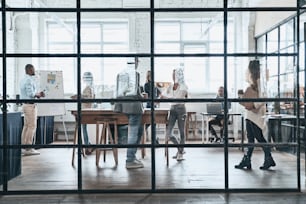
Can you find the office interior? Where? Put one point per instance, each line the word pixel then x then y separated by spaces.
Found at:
pixel 212 40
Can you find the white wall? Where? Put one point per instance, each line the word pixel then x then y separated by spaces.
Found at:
pixel 266 20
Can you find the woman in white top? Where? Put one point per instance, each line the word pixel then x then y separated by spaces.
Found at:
pixel 177 111
pixel 254 119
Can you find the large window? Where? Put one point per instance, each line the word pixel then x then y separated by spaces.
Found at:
pixel 96 37
pixel 193 36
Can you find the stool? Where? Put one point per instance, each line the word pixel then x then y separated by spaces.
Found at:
pixel 189 120
pixel 106 137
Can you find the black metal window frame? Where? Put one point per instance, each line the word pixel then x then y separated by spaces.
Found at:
pixel 152 10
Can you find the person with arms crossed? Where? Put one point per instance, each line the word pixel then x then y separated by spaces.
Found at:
pixel 29 90
pixel 128 88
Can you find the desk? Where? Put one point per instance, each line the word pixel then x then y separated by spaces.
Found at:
pixel 92 116
pixel 205 118
pixel 275 131
pixel 14 129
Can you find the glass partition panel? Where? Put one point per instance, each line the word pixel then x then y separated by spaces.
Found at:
pixel 203 76
pixel 173 31
pixel 115 4
pixel 115 32
pixel 49 32
pixel 187 4
pixel 41 4
pixel 258 4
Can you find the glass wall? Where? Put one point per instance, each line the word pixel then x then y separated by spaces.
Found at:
pixel 211 41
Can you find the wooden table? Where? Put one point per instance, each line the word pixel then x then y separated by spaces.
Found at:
pixel 93 116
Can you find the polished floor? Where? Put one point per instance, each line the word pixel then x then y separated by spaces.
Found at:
pixel 201 171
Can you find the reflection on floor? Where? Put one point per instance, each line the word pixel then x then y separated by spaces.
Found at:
pixel 203 168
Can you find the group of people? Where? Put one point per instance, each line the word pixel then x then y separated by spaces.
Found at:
pixel 255 111
pixel 134 112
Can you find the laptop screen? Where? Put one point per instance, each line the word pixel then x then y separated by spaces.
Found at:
pixel 214 108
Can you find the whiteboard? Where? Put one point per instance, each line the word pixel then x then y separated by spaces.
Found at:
pixel 51 82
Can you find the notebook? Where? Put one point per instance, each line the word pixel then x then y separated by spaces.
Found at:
pixel 214 108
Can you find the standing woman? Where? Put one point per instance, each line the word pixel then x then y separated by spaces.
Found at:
pixel 177 111
pixel 255 122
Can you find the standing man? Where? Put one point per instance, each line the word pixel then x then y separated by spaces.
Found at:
pixel 128 88
pixel 29 90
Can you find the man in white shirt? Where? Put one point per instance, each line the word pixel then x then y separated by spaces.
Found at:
pixel 29 90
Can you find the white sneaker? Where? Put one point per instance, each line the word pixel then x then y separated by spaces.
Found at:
pixel 30 152
pixel 179 157
pixel 175 156
pixel 134 164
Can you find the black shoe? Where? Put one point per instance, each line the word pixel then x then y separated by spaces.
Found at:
pixel 218 139
pixel 267 163
pixel 245 162
pixel 157 141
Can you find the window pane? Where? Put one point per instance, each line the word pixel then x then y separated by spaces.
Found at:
pixel 167 48
pixel 90 33
pixel 272 41
pixel 167 31
pixel 115 32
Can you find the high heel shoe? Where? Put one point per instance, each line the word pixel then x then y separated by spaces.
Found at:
pixel 245 162
pixel 267 163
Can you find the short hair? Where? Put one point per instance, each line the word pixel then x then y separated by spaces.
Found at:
pixel 28 67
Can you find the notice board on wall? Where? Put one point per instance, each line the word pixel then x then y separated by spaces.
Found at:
pixel 51 82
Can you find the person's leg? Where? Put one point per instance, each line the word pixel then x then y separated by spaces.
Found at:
pixel 181 113
pixel 212 130
pixel 268 160
pixel 30 123
pixel 134 134
pixel 246 160
pixel 29 129
pixel 89 150
pixel 85 134
pixel 171 123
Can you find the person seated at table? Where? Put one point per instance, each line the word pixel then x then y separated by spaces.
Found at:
pixel 218 119
pixel 88 93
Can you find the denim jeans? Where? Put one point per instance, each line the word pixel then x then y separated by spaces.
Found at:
pixel 135 131
pixel 85 134
pixel 177 113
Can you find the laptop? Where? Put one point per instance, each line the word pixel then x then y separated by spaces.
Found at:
pixel 214 108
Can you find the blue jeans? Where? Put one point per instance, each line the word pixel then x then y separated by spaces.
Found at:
pixel 135 131
pixel 177 113
pixel 85 134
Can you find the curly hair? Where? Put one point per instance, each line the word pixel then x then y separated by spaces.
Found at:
pixel 254 69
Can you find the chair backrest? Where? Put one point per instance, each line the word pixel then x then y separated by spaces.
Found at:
pixel 214 108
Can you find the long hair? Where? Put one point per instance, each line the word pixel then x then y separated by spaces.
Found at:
pixel 254 69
